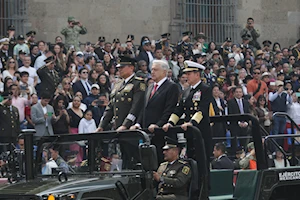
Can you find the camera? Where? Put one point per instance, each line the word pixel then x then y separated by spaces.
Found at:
pixel 75 23
pixel 100 102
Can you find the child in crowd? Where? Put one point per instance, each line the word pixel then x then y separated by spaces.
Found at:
pixel 87 123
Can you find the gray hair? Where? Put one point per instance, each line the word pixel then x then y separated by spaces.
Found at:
pixel 161 63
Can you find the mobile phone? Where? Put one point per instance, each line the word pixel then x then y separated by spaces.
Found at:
pixel 153 42
pixel 23 87
pixel 100 102
pixel 60 87
pixel 14 78
pixel 123 45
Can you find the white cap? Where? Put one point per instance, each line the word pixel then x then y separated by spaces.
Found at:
pixel 278 83
pixel 265 74
pixel 192 66
pixel 79 53
pixel 95 86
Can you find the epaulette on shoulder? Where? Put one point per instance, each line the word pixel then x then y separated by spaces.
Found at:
pixel 139 78
pixel 182 162
pixel 164 163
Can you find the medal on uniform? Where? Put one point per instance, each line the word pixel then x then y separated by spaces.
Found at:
pixel 197 96
pixel 128 87
pixel 172 172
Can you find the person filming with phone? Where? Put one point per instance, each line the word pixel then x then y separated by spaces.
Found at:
pixel 72 32
pixel 251 31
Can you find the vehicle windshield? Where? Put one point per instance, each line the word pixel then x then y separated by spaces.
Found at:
pixel 88 155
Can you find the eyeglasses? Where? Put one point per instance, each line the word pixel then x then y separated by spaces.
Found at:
pixel 292 58
pixel 84 72
pixel 248 63
pixel 67 83
pixel 256 73
pixel 12 62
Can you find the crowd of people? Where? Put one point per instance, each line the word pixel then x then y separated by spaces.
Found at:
pixel 63 87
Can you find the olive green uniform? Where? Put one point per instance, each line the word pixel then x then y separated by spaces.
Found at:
pixel 72 35
pixel 125 104
pixel 175 179
pixel 9 123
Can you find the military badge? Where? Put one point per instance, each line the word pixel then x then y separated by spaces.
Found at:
pixel 143 86
pixel 172 172
pixel 128 87
pixel 197 96
pixel 186 170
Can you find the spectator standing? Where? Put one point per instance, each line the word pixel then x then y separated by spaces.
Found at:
pixel 72 32
pixel 146 53
pixel 263 113
pixel 61 123
pixel 104 85
pixel 33 77
pixel 238 105
pixel 256 87
pixel 34 53
pixel 20 103
pixel 11 39
pixel 41 115
pixel 83 85
pixel 231 83
pixel 21 46
pixel 279 101
pixel 87 123
pixel 4 54
pixel 221 160
pixel 252 32
pixel 34 100
pixel 10 69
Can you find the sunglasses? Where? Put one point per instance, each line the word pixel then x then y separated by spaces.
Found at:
pixel 222 71
pixel 248 63
pixel 292 58
pixel 256 73
pixel 67 83
pixel 84 72
pixel 12 62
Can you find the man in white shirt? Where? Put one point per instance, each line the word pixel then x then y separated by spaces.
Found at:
pixel 33 77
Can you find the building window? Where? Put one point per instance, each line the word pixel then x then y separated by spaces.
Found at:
pixel 13 12
pixel 215 18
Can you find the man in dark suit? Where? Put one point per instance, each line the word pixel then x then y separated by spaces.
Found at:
pixel 104 51
pixel 83 85
pixel 4 54
pixel 146 54
pixel 221 160
pixel 238 105
pixel 196 110
pixel 48 76
pixel 160 101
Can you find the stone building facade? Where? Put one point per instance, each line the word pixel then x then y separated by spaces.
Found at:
pixel 277 20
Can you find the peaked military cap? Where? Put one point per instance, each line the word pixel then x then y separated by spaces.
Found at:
pixel 124 60
pixel 130 37
pixel 11 28
pixel 189 33
pixel 267 43
pixel 30 33
pixel 170 143
pixel 200 35
pixel 165 35
pixel 192 66
pixel 49 59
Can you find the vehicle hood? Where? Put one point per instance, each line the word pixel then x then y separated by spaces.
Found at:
pixel 45 186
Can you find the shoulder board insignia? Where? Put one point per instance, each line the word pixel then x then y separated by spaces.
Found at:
pixel 182 161
pixel 142 86
pixel 186 170
pixel 164 163
pixel 139 78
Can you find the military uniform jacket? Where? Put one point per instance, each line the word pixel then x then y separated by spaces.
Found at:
pixel 126 103
pixel 49 81
pixel 3 58
pixel 175 178
pixel 72 35
pixel 9 121
pixel 185 48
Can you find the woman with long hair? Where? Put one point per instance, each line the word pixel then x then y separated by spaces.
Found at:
pixel 60 62
pixel 65 89
pixel 263 112
pixel 103 82
pixel 75 115
pixel 61 123
pixel 93 75
pixel 248 66
pixel 180 60
pixel 7 83
pixel 231 83
pixel 211 47
pixel 10 69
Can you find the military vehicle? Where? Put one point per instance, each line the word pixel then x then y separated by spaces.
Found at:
pixel 95 169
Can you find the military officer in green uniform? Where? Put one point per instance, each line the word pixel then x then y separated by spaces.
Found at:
pixel 9 123
pixel 126 98
pixel 12 39
pixel 184 46
pixel 72 32
pixel 48 75
pixel 174 175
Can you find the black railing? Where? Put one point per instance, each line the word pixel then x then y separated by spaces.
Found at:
pixel 256 135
